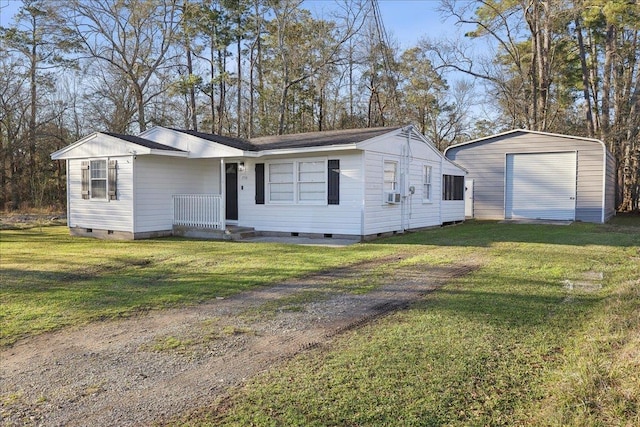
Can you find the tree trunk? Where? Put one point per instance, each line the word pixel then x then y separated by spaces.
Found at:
pixel 585 79
pixel 192 90
pixel 142 122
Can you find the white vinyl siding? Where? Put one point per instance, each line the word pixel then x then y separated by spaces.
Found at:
pixel 311 216
pixel 384 217
pixel 117 215
pixel 158 178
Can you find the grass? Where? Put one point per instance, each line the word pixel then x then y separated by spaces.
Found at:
pixel 511 344
pixel 547 332
pixel 49 280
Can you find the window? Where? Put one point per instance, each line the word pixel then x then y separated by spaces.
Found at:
pixel 302 182
pixel 390 176
pixel 99 179
pixel 311 181
pixel 281 182
pixel 452 187
pixel 98 170
pixel 426 194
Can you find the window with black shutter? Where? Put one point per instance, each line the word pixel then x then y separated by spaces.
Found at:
pixel 333 182
pixel 259 183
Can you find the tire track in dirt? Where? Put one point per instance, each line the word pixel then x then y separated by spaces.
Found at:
pixel 130 372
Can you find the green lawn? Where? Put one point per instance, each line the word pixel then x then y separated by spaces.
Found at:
pixel 49 280
pixel 547 332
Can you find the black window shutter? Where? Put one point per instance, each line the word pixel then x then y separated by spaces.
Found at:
pixel 113 179
pixel 259 183
pixel 85 179
pixel 333 182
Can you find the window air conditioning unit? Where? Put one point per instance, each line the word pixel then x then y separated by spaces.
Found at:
pixel 392 198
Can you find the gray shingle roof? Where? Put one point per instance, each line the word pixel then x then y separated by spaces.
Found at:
pixel 142 142
pixel 299 140
pixel 318 139
pixel 238 143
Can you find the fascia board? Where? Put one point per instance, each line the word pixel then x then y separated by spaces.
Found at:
pixel 305 150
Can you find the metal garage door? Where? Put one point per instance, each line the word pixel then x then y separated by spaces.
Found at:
pixel 541 186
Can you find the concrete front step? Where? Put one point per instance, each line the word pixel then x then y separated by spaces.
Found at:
pixel 231 233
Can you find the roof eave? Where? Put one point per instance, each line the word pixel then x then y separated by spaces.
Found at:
pixel 498 135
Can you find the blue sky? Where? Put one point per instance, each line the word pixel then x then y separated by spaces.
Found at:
pixel 405 20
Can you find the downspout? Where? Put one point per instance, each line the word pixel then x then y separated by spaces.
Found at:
pixel 440 191
pixel 363 205
pixel 134 186
pixel 68 195
pixel 403 186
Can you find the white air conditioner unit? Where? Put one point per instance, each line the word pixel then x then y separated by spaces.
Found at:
pixel 392 198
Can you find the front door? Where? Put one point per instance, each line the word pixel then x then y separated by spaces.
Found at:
pixel 231 191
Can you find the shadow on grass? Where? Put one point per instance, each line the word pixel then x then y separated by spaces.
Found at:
pixel 486 233
pixel 514 310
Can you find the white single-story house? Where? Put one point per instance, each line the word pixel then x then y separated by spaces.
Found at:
pixel 357 183
pixel 524 174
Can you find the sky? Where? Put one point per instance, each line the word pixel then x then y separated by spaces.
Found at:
pixel 405 20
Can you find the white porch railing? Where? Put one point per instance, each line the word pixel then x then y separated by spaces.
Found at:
pixel 198 210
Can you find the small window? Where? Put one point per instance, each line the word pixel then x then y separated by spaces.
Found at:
pixel 98 170
pixel 452 187
pixel 390 176
pixel 427 190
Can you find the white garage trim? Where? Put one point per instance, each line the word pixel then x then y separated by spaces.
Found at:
pixel 541 186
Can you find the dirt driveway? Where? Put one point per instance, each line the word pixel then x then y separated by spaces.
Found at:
pixel 156 366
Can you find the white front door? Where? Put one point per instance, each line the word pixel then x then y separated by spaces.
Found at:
pixel 541 186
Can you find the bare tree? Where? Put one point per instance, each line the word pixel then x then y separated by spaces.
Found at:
pixel 133 37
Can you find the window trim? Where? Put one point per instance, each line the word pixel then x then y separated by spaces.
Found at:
pixel 296 181
pixel 427 182
pixel 394 183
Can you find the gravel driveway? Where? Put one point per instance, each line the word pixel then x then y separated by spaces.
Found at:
pixel 156 366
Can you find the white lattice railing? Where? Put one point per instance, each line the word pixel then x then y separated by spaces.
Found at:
pixel 198 210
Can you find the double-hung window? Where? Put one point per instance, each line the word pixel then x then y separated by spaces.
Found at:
pixel 312 185
pixel 427 188
pixel 99 179
pixel 98 171
pixel 281 182
pixel 303 182
pixel 390 176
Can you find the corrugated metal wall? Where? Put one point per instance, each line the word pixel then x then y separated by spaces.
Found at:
pixel 486 162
